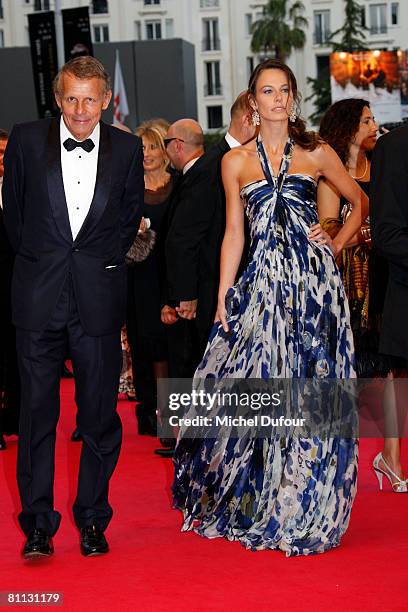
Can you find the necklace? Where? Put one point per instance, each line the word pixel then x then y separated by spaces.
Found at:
pixel 358 178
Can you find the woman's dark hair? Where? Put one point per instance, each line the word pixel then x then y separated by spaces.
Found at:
pixel 340 124
pixel 297 129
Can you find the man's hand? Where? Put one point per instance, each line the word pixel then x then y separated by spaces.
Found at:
pixel 168 315
pixel 187 310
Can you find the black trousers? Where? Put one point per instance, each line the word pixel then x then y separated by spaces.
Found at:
pixel 185 349
pixel 97 364
pixel 9 377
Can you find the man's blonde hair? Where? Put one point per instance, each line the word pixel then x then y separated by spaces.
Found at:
pixel 83 67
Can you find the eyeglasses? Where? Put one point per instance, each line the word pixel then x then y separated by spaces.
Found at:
pixel 167 141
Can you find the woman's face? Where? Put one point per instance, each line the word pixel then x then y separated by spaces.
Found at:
pixel 273 96
pixel 154 157
pixel 366 136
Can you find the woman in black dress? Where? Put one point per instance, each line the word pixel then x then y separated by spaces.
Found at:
pixel 350 128
pixel 146 332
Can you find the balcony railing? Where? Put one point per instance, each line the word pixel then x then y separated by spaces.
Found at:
pixel 99 7
pixel 381 29
pixel 213 90
pixel 321 36
pixel 211 44
pixel 207 4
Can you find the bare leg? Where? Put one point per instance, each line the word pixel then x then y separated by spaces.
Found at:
pixel 392 449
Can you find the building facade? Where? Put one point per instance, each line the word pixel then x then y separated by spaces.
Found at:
pixel 220 31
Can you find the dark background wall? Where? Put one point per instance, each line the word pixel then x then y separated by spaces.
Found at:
pixel 159 78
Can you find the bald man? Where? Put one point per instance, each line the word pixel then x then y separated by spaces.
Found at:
pixel 195 230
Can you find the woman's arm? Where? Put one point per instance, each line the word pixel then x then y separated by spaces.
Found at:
pixel 328 208
pixel 234 238
pixel 332 169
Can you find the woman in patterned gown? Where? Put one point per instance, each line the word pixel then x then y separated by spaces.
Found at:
pixel 286 317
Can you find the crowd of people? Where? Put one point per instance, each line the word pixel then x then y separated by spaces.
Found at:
pixel 257 258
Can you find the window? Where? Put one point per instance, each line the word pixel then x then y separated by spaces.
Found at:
pixel 1 10
pixel 363 21
pixel 101 33
pixel 99 6
pixel 1 38
pixel 213 81
pixel 169 28
pixel 250 66
pixel 394 13
pixel 209 3
pixel 214 117
pixel 153 30
pixel 147 2
pixel 41 5
pixel 378 18
pixel 322 65
pixel 211 39
pixel 321 27
pixel 138 30
pixel 248 24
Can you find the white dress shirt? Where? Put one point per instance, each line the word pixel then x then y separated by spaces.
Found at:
pixel 231 141
pixel 79 177
pixel 190 164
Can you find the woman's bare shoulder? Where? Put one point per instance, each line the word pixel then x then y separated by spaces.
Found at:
pixel 238 156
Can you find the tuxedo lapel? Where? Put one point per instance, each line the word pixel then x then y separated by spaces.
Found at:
pixel 102 183
pixel 55 182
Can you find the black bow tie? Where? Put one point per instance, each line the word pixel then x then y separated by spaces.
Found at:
pixel 70 144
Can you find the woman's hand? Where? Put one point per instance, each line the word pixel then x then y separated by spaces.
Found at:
pixel 143 226
pixel 320 236
pixel 221 315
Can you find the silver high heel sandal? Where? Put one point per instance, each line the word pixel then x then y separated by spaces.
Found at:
pixel 398 485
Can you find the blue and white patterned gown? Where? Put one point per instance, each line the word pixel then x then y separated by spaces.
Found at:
pixel 288 317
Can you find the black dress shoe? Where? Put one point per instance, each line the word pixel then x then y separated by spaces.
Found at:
pixel 165 452
pixel 168 442
pixel 76 436
pixel 93 542
pixel 39 544
pixel 3 445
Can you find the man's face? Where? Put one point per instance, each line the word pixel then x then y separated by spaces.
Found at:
pixel 81 102
pixel 3 144
pixel 172 149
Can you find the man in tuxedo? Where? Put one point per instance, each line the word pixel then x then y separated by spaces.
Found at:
pixel 73 187
pixel 389 228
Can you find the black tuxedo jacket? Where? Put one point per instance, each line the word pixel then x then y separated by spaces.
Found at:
pixel 37 222
pixel 195 231
pixel 389 225
pixel 6 267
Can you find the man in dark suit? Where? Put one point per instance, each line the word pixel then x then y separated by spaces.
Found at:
pixel 72 192
pixel 197 221
pixel 195 231
pixel 9 379
pixel 192 246
pixel 389 227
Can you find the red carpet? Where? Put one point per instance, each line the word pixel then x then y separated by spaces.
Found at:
pixel 152 566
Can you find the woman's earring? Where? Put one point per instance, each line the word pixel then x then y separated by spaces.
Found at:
pixel 256 120
pixel 293 116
